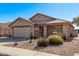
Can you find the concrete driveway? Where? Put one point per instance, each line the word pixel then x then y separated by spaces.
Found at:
pixel 5 40
pixel 77 37
pixel 11 51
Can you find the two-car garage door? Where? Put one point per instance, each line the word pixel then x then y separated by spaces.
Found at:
pixel 22 31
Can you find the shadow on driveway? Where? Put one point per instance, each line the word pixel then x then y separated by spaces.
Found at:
pixel 12 39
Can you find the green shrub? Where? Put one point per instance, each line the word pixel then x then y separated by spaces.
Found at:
pixel 55 39
pixel 60 34
pixel 42 42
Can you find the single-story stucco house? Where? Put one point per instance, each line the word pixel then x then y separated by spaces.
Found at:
pixel 40 25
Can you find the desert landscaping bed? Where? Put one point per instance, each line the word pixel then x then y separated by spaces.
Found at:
pixel 67 49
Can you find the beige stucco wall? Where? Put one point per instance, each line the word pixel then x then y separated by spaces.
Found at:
pixel 68 30
pixel 65 31
pixel 40 19
pixel 71 29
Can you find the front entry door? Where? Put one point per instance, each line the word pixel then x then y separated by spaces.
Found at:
pixel 41 31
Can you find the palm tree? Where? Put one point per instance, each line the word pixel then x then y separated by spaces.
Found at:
pixel 76 21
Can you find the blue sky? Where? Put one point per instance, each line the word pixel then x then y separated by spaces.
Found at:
pixel 9 12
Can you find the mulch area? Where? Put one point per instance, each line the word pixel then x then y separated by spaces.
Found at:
pixel 67 49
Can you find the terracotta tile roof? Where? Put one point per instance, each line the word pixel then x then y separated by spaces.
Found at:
pixel 30 21
pixel 43 15
pixel 25 20
pixel 56 21
pixel 52 22
pixel 60 21
pixel 52 18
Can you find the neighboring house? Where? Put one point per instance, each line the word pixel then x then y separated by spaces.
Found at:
pixel 41 25
pixel 4 29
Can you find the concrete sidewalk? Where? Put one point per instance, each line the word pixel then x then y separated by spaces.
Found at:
pixel 76 54
pixel 22 52
pixel 77 38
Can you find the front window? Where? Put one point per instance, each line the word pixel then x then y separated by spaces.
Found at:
pixel 54 28
pixel 57 28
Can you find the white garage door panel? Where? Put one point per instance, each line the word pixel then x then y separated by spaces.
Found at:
pixel 22 31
